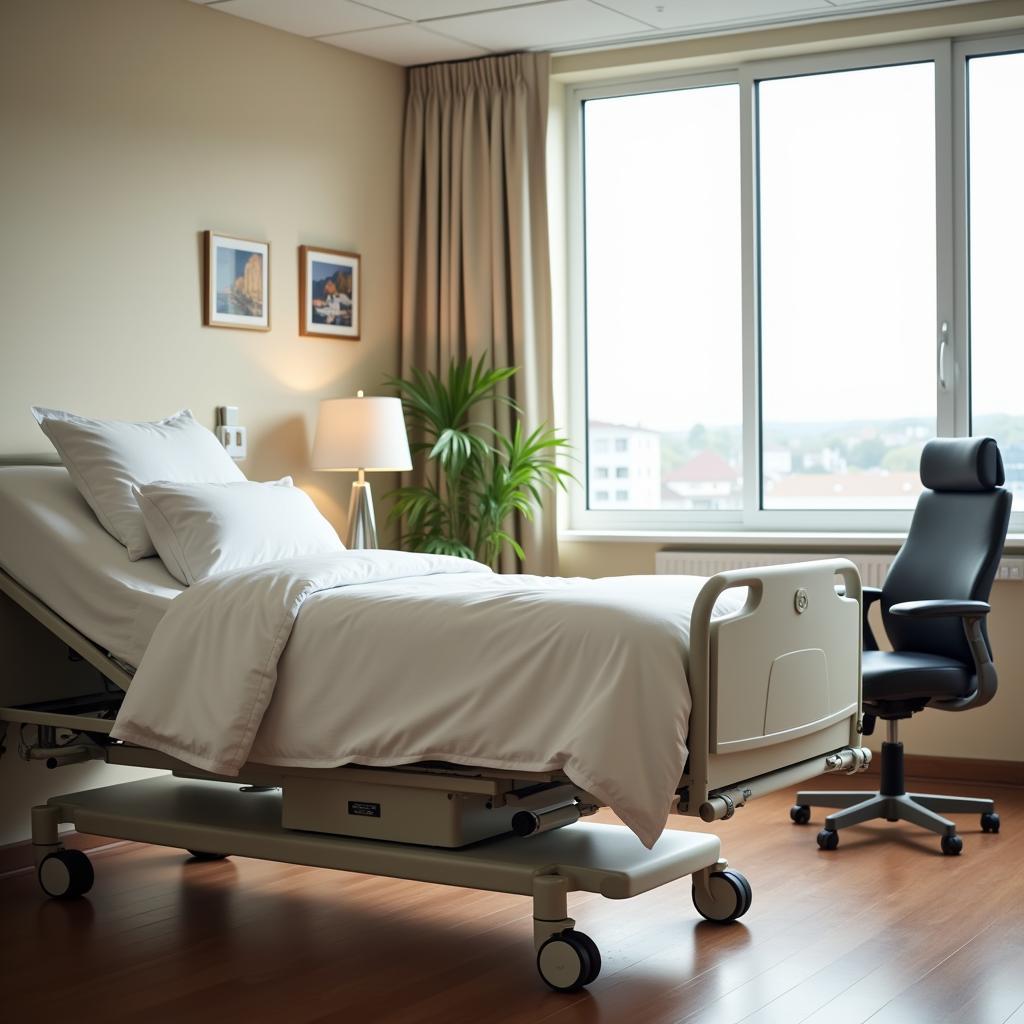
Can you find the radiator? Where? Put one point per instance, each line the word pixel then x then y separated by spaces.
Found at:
pixel 872 568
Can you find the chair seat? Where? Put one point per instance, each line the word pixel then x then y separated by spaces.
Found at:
pixel 906 675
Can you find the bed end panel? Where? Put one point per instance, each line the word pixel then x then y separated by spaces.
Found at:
pixel 776 685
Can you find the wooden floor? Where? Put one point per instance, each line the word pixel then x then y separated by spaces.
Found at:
pixel 884 929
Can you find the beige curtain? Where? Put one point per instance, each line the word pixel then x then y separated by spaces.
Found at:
pixel 475 271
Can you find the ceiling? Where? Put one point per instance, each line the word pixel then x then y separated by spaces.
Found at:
pixel 424 31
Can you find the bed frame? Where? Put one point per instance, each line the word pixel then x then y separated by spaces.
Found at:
pixel 776 700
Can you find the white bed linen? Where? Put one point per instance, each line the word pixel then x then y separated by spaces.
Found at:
pixel 53 545
pixel 397 658
pixel 202 530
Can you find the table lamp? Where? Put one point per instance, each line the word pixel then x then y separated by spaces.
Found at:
pixel 361 435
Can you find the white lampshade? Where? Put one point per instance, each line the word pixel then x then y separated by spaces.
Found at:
pixel 361 433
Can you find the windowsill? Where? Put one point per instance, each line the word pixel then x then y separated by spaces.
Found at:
pixel 757 540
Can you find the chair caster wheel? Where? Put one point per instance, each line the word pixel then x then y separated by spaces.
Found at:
pixel 569 961
pixel 990 822
pixel 729 898
pixel 952 845
pixel 66 874
pixel 203 855
pixel 800 814
pixel 828 839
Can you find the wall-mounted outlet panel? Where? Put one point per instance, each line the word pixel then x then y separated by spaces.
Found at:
pixel 235 441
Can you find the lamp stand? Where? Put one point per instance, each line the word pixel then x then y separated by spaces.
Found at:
pixel 362 527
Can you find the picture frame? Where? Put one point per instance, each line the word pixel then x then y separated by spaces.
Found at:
pixel 329 293
pixel 236 278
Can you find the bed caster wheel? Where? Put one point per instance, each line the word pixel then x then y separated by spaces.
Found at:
pixel 990 822
pixel 66 874
pixel 952 845
pixel 569 961
pixel 730 897
pixel 828 839
pixel 800 814
pixel 202 855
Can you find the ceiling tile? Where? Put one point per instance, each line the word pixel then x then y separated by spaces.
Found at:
pixel 684 14
pixel 540 25
pixel 405 44
pixel 423 10
pixel 877 6
pixel 307 17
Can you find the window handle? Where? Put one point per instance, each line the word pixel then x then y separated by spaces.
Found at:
pixel 943 340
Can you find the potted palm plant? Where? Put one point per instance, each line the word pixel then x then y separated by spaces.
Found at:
pixel 475 478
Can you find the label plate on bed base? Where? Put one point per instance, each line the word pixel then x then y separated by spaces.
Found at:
pixel 401 814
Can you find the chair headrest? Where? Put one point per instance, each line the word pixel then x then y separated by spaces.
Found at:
pixel 962 464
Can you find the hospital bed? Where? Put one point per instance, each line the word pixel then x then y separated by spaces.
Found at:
pixel 775 689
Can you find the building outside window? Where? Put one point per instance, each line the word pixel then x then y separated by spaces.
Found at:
pixel 609 444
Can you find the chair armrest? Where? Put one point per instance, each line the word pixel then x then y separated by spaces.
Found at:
pixel 941 609
pixel 971 614
pixel 868 596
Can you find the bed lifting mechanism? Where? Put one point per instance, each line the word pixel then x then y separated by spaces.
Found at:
pixel 55 754
pixel 722 804
pixel 547 808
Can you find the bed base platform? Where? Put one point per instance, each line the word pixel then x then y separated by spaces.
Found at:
pixel 210 821
pixel 438 805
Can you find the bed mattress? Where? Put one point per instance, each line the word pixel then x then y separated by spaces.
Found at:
pixel 53 545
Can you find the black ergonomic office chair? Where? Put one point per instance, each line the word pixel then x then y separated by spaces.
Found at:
pixel 933 609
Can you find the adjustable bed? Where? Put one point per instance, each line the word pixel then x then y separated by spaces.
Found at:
pixel 766 684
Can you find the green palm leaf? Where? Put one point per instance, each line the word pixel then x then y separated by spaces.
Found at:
pixel 476 479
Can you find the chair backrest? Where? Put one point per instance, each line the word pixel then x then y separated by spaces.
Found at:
pixel 954 545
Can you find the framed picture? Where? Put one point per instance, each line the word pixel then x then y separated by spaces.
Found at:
pixel 328 293
pixel 237 292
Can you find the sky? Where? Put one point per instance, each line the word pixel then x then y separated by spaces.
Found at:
pixel 847 226
pixel 997 229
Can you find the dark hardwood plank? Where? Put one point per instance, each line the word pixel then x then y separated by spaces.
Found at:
pixel 883 928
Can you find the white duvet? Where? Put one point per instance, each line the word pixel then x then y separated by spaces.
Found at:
pixel 388 658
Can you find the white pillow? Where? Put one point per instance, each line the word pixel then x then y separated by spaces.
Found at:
pixel 203 529
pixel 106 458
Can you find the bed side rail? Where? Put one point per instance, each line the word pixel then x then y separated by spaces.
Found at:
pixel 776 684
pixel 78 642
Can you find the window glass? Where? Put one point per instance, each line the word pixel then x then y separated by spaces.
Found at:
pixel 996 212
pixel 663 298
pixel 846 170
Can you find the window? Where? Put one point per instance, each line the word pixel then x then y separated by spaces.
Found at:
pixel 995 152
pixel 663 288
pixel 847 229
pixel 788 276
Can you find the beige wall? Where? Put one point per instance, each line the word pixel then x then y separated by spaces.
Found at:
pixel 126 128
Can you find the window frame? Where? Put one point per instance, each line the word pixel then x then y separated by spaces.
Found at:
pixel 949 58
